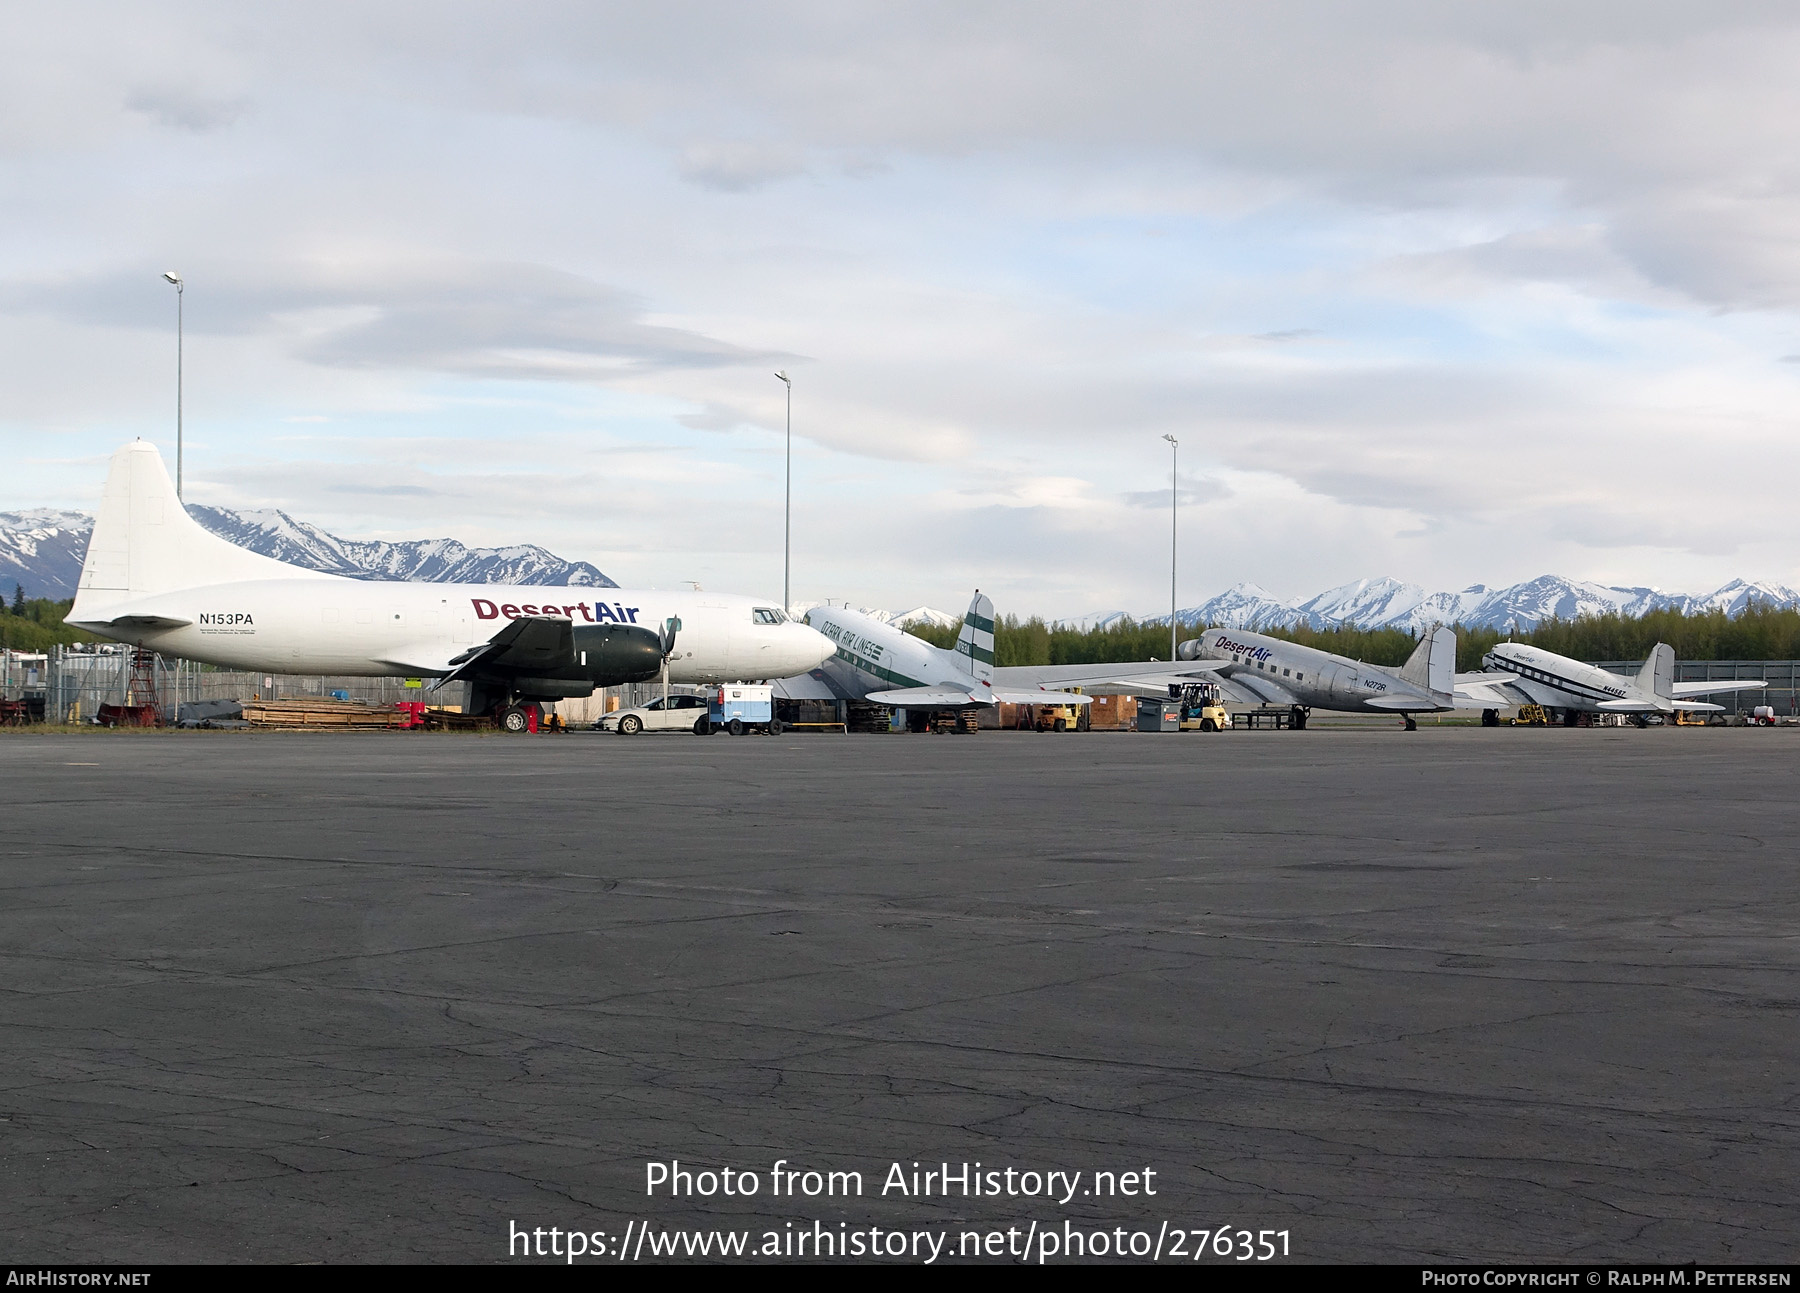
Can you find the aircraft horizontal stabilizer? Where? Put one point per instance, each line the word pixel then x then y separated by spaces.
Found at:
pixel 1399 704
pixel 1683 689
pixel 1626 707
pixel 125 624
pixel 1698 707
pixel 1484 691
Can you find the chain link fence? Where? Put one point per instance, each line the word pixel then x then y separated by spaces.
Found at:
pixel 74 682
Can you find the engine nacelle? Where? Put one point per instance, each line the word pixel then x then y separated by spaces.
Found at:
pixel 609 654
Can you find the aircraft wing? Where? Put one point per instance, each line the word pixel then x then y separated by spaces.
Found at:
pixel 1684 689
pixel 923 696
pixel 950 695
pixel 1260 690
pixel 805 686
pixel 422 658
pixel 1133 678
pixel 1047 697
pixel 532 643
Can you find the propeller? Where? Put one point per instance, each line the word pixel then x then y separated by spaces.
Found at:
pixel 665 638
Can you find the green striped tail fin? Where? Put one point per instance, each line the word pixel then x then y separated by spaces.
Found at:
pixel 975 644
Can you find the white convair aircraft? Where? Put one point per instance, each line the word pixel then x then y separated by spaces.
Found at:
pixel 155 578
pixel 1528 675
pixel 1249 668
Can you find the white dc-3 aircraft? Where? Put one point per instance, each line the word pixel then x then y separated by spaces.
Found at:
pixel 1517 674
pixel 1249 668
pixel 155 578
pixel 1277 672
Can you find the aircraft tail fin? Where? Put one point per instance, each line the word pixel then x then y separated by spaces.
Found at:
pixel 1658 674
pixel 145 543
pixel 975 644
pixel 1432 665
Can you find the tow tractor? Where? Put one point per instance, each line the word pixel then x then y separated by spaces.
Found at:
pixel 1202 708
pixel 738 708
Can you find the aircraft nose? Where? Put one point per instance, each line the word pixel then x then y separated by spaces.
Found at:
pixel 811 648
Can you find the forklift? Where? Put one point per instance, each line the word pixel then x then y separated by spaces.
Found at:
pixel 1055 718
pixel 1202 708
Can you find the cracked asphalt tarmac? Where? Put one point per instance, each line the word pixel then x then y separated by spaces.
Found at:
pixel 1459 995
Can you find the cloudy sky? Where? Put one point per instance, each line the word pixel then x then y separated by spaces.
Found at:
pixel 1451 292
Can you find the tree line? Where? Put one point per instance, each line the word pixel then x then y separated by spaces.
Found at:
pixel 36 623
pixel 1760 632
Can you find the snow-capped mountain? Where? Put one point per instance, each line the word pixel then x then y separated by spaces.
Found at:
pixel 923 615
pixel 42 551
pixel 1376 601
pixel 1736 595
pixel 276 534
pixel 1379 603
pixel 899 619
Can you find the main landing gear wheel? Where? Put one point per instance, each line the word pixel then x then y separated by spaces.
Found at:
pixel 1411 724
pixel 1298 721
pixel 630 725
pixel 735 727
pixel 516 719
pixel 1490 718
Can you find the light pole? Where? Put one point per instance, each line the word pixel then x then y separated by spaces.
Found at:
pixel 180 287
pixel 1174 499
pixel 787 507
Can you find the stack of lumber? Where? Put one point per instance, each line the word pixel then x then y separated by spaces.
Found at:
pixel 308 712
pixel 447 720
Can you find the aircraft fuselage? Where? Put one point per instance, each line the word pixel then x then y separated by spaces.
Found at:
pixel 331 625
pixel 872 655
pixel 1561 683
pixel 1286 673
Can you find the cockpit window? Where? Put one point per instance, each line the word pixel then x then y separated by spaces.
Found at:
pixel 768 615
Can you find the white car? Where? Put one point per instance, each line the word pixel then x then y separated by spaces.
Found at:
pixel 683 714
